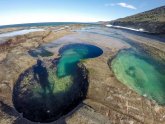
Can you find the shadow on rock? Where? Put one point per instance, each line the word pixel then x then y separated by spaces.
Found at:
pixel 41 76
pixel 8 109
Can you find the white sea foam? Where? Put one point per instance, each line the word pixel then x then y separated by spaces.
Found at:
pixel 122 27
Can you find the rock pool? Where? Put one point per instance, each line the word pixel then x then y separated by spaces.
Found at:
pixel 141 73
pixel 52 88
pixel 73 53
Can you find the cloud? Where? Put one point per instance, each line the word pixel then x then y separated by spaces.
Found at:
pixel 125 5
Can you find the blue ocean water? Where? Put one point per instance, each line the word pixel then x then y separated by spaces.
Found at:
pixel 41 24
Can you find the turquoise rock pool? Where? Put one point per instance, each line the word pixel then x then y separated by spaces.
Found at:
pixel 141 73
pixel 52 88
pixel 72 54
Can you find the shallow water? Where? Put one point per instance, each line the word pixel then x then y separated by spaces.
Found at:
pixel 141 73
pixel 72 54
pixel 20 32
pixel 40 52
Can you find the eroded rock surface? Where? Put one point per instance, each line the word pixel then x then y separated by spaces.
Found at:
pixel 108 100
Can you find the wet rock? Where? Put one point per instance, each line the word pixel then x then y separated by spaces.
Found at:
pixel 50 36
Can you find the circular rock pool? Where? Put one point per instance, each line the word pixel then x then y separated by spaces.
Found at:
pixel 52 88
pixel 142 73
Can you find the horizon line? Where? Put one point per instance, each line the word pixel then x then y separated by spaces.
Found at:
pixel 51 22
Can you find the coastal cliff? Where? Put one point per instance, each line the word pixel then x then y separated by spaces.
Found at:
pixel 152 21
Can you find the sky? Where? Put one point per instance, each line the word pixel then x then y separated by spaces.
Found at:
pixel 32 11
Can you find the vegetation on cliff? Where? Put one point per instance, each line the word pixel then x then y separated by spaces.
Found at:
pixel 152 21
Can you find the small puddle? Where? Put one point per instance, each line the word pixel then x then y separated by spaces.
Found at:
pixel 141 73
pixel 51 89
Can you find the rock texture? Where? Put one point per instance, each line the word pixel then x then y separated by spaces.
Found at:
pixel 109 97
pixel 114 100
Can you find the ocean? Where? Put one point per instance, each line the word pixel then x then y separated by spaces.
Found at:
pixel 41 24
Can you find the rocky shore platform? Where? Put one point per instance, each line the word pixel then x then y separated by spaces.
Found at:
pixel 108 101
